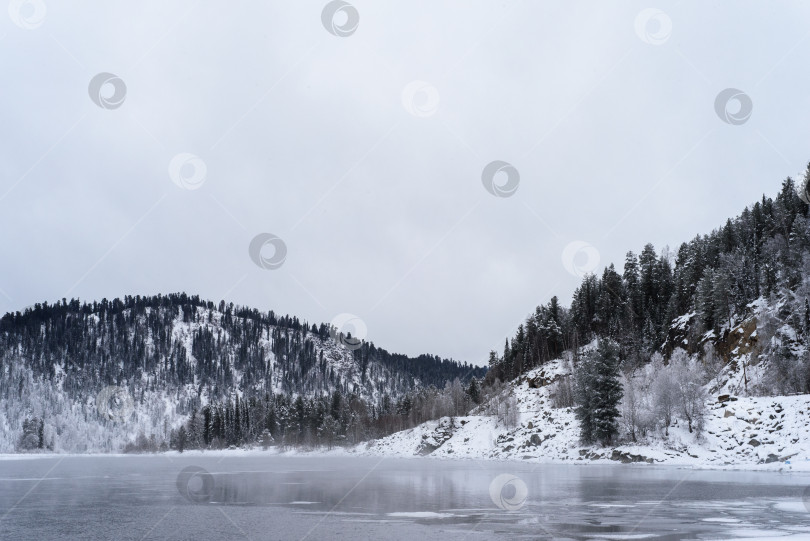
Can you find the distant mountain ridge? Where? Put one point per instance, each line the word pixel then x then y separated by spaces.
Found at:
pixel 173 354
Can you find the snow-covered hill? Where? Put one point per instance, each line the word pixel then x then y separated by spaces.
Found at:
pixel 73 424
pixel 96 376
pixel 740 432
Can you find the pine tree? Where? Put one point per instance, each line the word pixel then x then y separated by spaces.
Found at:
pixel 182 437
pixel 270 418
pixel 474 391
pixel 705 300
pixel 599 393
pixel 721 299
pixel 334 409
pixel 631 281
pixel 507 361
pixel 206 435
pixel 607 392
pixel 237 423
pixel 584 411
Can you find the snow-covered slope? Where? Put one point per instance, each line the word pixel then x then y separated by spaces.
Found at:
pixel 156 360
pixel 339 369
pixel 741 432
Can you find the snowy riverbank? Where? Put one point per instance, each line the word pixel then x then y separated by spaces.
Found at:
pixel 747 433
pixel 753 433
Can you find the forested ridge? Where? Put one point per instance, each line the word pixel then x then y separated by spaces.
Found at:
pixel 108 342
pixel 659 301
pixel 247 371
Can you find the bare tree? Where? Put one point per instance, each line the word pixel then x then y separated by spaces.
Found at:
pixel 663 391
pixel 690 391
pixel 562 395
pixel 508 411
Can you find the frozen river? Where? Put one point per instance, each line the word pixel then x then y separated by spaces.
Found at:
pixel 274 497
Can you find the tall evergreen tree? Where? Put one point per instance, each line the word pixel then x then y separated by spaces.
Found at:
pixel 599 393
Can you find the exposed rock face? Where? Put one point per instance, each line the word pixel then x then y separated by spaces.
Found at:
pixel 738 341
pixel 435 440
pixel 734 343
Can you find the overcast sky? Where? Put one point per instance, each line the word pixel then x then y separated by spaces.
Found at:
pixel 362 148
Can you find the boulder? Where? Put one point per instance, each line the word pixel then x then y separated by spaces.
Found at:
pixel 627 458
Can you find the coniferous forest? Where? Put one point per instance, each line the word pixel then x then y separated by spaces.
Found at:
pixel 668 327
pixel 662 300
pixel 189 373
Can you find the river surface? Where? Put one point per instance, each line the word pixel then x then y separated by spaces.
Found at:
pixel 197 497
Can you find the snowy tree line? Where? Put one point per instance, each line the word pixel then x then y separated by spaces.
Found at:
pixel 708 284
pixel 179 339
pixel 324 421
pixel 42 418
pixel 174 354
